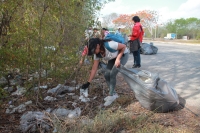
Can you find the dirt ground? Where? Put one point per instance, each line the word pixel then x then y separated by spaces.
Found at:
pixel 181 119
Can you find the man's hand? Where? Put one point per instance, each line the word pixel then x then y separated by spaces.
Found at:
pixel 86 85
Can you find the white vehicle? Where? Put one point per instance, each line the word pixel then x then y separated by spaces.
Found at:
pixel 170 36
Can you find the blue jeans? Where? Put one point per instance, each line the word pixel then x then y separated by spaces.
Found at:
pixel 136 56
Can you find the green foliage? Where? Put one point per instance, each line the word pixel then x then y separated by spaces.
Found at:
pixel 184 27
pixel 3 93
pixel 45 34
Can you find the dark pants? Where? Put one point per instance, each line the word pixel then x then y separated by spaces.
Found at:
pixel 136 56
pixel 111 73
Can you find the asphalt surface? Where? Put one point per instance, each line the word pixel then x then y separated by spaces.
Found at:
pixel 179 65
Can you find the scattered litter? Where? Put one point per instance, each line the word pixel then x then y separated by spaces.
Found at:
pixel 49 98
pixel 74 113
pixel 53 90
pixel 10 102
pixel 28 102
pixel 75 97
pixel 20 91
pixel 32 121
pixel 19 109
pixel 3 80
pixel 48 110
pixel 84 99
pixel 44 87
pixel 84 95
pixel 70 94
pixel 63 113
pixel 9 89
pixel 84 92
pixel 59 89
pixel 60 96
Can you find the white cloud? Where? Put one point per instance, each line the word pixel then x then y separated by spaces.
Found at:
pixel 191 8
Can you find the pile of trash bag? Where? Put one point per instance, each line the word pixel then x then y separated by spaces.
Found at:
pixel 152 92
pixel 148 49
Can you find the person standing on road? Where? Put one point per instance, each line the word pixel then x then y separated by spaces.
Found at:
pixel 97 48
pixel 136 36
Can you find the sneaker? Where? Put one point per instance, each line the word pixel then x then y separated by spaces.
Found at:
pixel 115 95
pixel 110 99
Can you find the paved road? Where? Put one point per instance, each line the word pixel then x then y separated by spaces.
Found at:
pixel 178 64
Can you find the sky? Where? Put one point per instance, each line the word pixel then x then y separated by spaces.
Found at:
pixel 167 9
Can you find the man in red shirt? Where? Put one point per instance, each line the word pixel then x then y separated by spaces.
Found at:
pixel 137 33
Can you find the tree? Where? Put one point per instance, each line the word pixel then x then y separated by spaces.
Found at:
pixel 148 18
pixel 27 27
pixel 108 20
pixel 184 27
pixel 125 20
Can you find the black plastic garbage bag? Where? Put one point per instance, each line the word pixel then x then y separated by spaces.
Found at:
pixel 148 49
pixel 152 92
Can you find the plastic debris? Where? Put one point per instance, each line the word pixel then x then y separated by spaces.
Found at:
pixel 3 80
pixel 49 98
pixel 28 102
pixel 63 113
pixel 74 113
pixel 59 89
pixel 32 121
pixel 84 95
pixel 20 91
pixel 19 109
pixel 9 89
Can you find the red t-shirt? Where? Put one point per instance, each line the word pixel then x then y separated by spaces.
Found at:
pixel 85 51
pixel 137 32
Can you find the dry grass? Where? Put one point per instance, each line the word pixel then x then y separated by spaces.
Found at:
pixel 173 41
pixel 117 122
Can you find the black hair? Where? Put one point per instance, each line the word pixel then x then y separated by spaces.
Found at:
pixel 93 45
pixel 104 29
pixel 136 19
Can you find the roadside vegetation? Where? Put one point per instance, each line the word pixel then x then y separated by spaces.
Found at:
pixel 40 45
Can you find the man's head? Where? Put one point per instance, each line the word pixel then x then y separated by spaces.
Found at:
pixel 95 29
pixel 136 19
